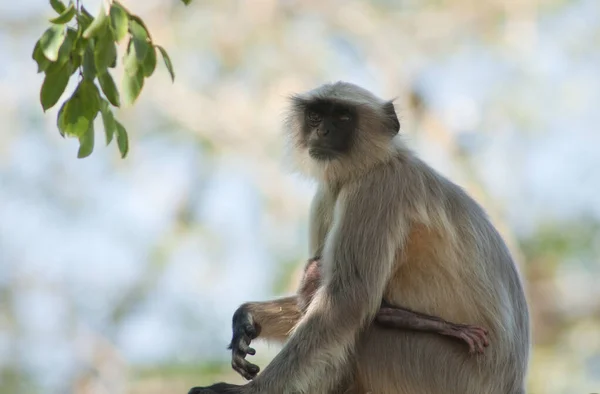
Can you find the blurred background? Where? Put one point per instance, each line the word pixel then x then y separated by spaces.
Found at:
pixel 121 276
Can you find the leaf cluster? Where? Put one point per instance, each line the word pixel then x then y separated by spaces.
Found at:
pixel 83 46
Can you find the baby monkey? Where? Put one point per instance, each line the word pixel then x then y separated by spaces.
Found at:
pixel 397 317
pixel 253 320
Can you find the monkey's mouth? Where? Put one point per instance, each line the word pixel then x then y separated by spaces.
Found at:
pixel 321 154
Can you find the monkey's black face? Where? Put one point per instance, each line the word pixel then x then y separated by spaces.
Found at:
pixel 329 128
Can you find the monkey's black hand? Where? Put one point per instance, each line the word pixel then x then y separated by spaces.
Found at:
pixel 217 388
pixel 244 331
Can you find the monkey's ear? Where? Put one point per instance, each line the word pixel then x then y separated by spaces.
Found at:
pixel 391 117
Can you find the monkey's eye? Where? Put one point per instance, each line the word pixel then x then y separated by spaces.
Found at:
pixel 344 117
pixel 314 117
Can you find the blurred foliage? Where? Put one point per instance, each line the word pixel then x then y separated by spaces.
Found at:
pixel 554 241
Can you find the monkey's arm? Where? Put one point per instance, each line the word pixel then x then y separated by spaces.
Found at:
pixel 269 320
pixel 357 258
pixel 318 224
pixel 403 318
pixel 276 319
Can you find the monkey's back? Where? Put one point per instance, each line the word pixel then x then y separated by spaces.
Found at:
pixel 455 265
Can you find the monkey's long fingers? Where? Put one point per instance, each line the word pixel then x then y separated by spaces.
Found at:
pixel 243 347
pixel 470 342
pixel 244 368
pixel 480 335
pixel 475 337
pixel 242 337
pixel 469 327
pixel 238 358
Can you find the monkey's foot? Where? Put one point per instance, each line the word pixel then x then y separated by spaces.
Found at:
pixel 475 336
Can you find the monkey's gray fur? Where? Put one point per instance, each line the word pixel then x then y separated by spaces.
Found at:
pixel 386 225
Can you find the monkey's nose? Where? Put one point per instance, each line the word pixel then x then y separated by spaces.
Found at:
pixel 323 131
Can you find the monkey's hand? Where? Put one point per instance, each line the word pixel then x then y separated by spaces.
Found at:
pixel 474 336
pixel 217 388
pixel 244 331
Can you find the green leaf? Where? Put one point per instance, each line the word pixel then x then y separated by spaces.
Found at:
pixel 150 62
pixel 119 21
pixel 86 142
pixel 84 19
pixel 99 24
pixel 89 67
pixel 54 86
pixel 113 64
pixel 130 60
pixel 140 23
pixel 109 121
pixel 71 119
pixel 64 52
pixel 186 2
pixel 65 16
pixel 105 52
pixel 109 89
pixel 51 41
pixel 122 140
pixel 132 86
pixel 167 60
pixel 60 119
pixel 90 96
pixel 79 111
pixel 58 6
pixel 68 45
pixel 81 44
pixel 40 59
pixel 76 60
pixel 86 13
pixel 140 38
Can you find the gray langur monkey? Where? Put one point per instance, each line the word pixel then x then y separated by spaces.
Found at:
pixel 387 226
pixel 275 320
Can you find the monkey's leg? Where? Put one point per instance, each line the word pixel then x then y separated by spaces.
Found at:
pixel 269 319
pixel 403 318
